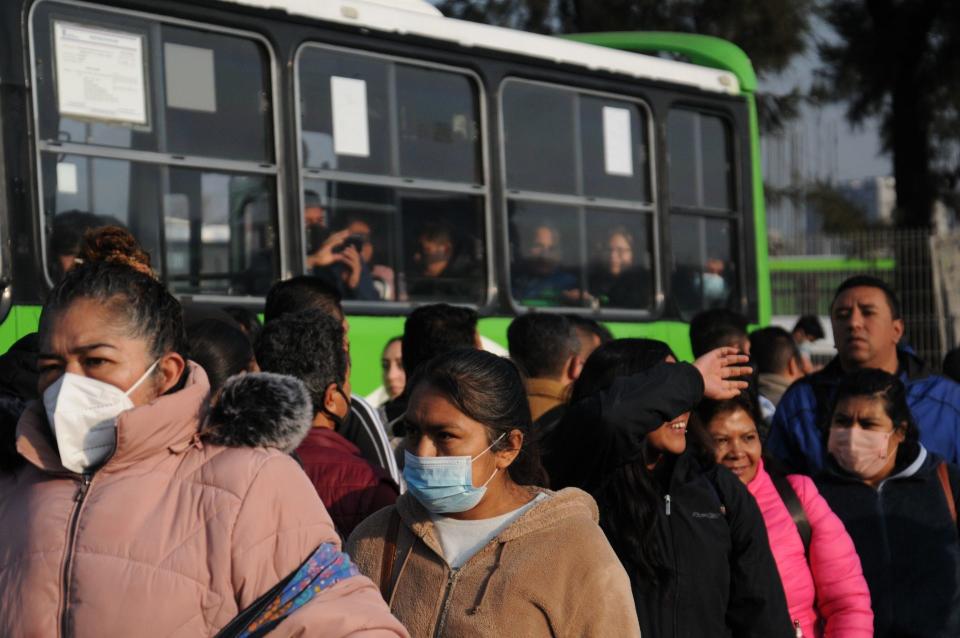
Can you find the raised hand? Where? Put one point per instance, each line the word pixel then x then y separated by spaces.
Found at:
pixel 718 368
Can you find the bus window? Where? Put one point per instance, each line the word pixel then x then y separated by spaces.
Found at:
pixel 415 245
pixel 545 254
pixel 580 206
pixel 705 269
pixel 539 143
pixel 393 173
pixel 170 136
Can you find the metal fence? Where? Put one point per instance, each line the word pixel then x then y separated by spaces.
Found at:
pixel 806 270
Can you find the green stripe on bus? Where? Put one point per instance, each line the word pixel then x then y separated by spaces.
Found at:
pixel 826 264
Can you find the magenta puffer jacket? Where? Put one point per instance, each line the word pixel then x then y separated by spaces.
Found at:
pixel 829 596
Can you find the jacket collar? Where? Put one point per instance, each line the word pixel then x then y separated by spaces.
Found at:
pixel 910 368
pixel 319 437
pixel 566 503
pixel 548 388
pixel 168 422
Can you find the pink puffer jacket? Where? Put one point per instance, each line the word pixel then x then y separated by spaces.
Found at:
pixel 832 584
pixel 171 537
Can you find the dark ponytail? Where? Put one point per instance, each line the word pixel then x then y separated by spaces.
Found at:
pixel 489 390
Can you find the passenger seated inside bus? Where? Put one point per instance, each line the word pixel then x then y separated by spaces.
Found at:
pixel 701 287
pixel 383 275
pixel 442 269
pixel 335 255
pixel 538 277
pixel 617 278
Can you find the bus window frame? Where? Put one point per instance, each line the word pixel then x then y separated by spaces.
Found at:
pixel 738 214
pixel 275 168
pixel 398 182
pixel 650 208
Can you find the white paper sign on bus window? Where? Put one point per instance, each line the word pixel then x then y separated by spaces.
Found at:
pixel 190 78
pixel 100 73
pixel 617 142
pixel 351 135
pixel 67 182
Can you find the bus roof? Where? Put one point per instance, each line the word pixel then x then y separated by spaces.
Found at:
pixel 413 18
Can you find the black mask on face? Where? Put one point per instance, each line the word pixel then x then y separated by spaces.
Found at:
pixel 316 234
pixel 339 421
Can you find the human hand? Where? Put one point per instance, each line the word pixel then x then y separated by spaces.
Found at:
pixel 326 254
pixel 350 257
pixel 718 368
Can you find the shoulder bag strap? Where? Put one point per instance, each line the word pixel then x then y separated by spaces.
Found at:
pixel 389 555
pixel 240 622
pixel 947 490
pixel 789 497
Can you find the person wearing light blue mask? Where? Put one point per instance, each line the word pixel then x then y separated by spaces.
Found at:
pixel 477 547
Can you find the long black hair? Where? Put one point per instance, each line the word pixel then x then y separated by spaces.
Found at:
pixel 489 390
pixel 629 499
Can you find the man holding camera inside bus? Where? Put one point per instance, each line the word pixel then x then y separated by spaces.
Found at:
pixel 336 256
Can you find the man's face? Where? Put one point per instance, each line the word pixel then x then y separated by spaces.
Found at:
pixel 543 252
pixel 434 251
pixel 314 216
pixel 864 329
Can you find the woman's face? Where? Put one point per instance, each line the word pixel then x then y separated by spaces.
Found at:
pixel 868 413
pixel 435 427
pixel 737 443
pixel 671 437
pixel 620 253
pixel 394 377
pixel 87 339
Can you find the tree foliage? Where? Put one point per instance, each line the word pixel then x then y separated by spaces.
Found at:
pixel 899 60
pixel 771 32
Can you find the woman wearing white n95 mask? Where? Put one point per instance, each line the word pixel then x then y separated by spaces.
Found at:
pixel 124 516
pixel 475 547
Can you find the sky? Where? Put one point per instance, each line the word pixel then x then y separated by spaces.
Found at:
pixel 855 153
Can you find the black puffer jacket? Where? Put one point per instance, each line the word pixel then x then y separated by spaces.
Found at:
pixel 723 580
pixel 907 540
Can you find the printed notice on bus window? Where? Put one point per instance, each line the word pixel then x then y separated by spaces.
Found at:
pixel 100 73
pixel 617 142
pixel 350 133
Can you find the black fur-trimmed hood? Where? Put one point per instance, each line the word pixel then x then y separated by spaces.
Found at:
pixel 260 409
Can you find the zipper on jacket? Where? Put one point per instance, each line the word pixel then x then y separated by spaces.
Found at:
pixel 451 581
pixel 78 498
pixel 667 501
pixel 797 631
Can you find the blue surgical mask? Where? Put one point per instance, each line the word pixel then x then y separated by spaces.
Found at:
pixel 444 484
pixel 714 287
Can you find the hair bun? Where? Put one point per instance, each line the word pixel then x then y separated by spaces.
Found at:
pixel 113 244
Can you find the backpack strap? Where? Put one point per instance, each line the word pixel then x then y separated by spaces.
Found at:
pixel 947 490
pixel 389 555
pixel 789 497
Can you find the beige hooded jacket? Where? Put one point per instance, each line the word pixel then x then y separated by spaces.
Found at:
pixel 550 573
pixel 171 537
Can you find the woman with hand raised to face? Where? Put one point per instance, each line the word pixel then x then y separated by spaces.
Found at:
pixel 122 518
pixel 476 547
pixel 689 534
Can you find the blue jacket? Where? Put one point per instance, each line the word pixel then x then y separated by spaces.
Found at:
pixel 798 434
pixel 907 541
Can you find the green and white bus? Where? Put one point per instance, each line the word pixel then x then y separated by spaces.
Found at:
pixel 610 175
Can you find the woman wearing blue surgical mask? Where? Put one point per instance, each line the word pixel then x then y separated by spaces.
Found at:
pixel 476 547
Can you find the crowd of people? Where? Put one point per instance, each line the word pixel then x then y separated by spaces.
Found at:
pixel 170 469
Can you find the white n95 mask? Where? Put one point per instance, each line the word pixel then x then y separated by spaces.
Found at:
pixel 82 413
